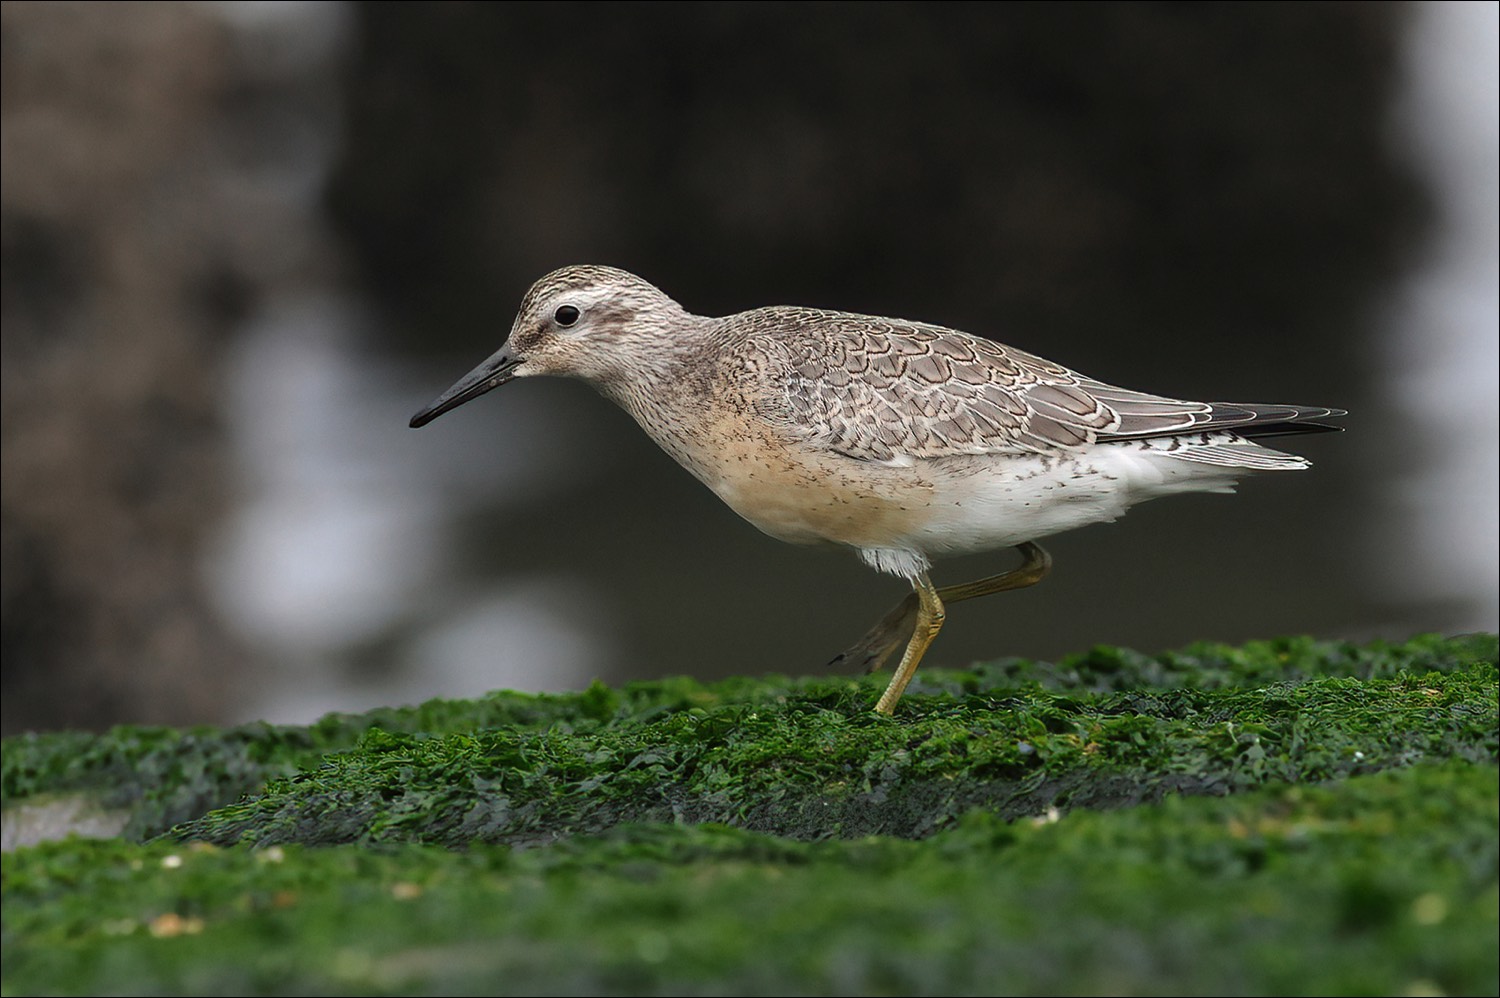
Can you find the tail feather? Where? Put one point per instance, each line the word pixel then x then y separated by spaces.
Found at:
pixel 1220 449
pixel 1243 454
pixel 1146 416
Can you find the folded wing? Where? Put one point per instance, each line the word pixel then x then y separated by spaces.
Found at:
pixel 892 391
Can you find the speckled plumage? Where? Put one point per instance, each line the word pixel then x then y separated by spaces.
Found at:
pixel 888 390
pixel 902 440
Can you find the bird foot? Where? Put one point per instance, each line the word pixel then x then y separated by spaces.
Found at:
pixel 892 631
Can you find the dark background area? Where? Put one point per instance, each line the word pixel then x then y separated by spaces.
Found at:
pixel 1197 200
pixel 1147 183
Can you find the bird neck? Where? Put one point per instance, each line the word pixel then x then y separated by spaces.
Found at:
pixel 668 391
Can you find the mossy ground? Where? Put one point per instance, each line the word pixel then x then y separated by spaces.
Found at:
pixel 1291 816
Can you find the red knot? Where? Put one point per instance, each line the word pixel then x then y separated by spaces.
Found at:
pixel 902 440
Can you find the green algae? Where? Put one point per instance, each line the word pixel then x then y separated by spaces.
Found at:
pixel 166 776
pixel 1290 816
pixel 1380 883
pixel 819 764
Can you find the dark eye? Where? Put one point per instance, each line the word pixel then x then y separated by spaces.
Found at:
pixel 565 315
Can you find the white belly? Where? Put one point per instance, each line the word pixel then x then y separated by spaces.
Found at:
pixel 1001 503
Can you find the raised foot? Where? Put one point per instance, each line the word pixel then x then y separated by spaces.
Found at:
pixel 892 631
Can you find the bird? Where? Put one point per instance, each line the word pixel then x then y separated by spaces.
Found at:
pixel 904 441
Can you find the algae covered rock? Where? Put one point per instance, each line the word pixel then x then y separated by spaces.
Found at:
pixel 1285 816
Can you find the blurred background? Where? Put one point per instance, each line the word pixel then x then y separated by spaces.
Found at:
pixel 244 242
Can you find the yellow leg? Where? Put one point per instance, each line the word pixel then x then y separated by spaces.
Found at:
pixel 898 625
pixel 929 621
pixel 1031 571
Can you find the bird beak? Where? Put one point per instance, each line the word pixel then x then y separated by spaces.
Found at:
pixel 493 373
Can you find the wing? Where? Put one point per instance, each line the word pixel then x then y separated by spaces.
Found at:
pixel 888 390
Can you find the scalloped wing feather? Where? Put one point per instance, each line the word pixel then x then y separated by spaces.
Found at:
pixel 891 391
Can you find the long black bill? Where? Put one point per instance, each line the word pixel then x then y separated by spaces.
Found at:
pixel 493 373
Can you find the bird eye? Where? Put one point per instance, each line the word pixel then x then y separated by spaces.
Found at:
pixel 565 315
